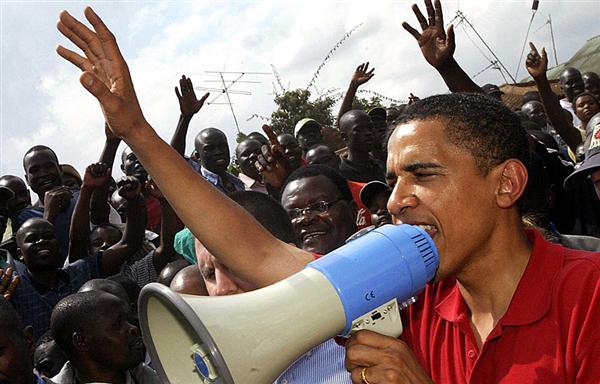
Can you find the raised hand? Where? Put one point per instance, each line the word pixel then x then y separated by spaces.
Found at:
pixel 96 175
pixel 437 46
pixel 8 282
pixel 105 72
pixel 362 74
pixel 413 99
pixel 271 163
pixel 129 187
pixel 56 201
pixel 377 359
pixel 536 64
pixel 188 103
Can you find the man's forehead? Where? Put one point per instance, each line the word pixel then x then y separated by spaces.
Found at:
pixel 305 191
pixel 422 141
pixel 40 155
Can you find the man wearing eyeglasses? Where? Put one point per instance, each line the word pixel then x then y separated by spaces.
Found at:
pixel 321 207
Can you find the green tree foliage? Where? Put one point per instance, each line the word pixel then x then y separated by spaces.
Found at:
pixel 296 105
pixel 367 104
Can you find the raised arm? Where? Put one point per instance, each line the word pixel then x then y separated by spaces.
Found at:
pixel 197 203
pixel 437 47
pixel 100 209
pixel 189 106
pixel 537 65
pixel 170 225
pixel 95 176
pixel 130 189
pixel 360 76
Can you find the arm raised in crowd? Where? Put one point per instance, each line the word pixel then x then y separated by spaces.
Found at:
pixel 99 208
pixel 225 228
pixel 438 46
pixel 130 189
pixel 360 76
pixel 189 106
pixel 537 65
pixel 95 176
pixel 170 225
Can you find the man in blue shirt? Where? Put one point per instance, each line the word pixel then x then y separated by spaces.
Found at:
pixel 212 152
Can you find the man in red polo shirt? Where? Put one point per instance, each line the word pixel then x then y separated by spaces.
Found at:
pixel 505 306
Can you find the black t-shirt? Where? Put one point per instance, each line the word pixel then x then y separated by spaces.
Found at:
pixel 362 172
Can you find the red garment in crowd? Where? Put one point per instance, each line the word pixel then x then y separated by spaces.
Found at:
pixel 549 334
pixel 363 217
pixel 152 214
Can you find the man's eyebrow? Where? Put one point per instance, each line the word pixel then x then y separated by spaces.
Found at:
pixel 412 167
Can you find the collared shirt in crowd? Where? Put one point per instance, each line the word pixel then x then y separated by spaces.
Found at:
pixel 322 364
pixel 566 104
pixel 251 184
pixel 34 301
pixel 216 180
pixel 141 374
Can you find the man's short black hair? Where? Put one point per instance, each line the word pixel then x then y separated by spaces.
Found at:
pixel 477 123
pixel 268 212
pixel 45 338
pixel 322 170
pixel 131 287
pixel 40 148
pixel 75 313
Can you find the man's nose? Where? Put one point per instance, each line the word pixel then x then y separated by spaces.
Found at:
pixel 402 198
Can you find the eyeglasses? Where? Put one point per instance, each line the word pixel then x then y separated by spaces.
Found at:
pixel 317 208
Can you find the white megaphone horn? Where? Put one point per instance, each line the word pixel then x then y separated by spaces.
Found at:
pixel 252 337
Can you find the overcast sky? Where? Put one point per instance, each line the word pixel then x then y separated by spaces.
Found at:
pixel 42 101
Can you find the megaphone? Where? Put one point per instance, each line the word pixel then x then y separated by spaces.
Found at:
pixel 251 338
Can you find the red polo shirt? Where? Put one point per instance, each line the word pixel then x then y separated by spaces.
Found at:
pixel 549 334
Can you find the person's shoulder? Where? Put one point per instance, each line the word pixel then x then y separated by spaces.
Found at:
pixel 581 262
pixel 144 374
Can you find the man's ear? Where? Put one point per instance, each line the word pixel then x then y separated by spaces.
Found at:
pixel 80 342
pixel 512 180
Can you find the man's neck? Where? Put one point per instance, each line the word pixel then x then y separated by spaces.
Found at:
pixel 358 156
pixel 48 278
pixel 89 372
pixel 490 280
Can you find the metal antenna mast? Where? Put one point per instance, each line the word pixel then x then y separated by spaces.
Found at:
pixel 227 84
pixel 461 16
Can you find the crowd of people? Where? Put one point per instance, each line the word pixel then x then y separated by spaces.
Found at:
pixel 511 198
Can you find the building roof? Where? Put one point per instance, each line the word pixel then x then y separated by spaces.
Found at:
pixel 586 59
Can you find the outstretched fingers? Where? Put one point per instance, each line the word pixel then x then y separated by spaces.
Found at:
pixel 105 36
pixel 416 34
pixel 439 15
pixel 69 34
pixel 270 134
pixel 83 35
pixel 420 17
pixel 76 59
pixel 430 12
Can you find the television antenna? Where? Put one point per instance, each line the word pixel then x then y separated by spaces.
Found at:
pixel 226 90
pixel 495 62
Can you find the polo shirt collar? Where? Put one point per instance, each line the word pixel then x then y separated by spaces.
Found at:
pixel 532 297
